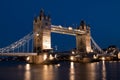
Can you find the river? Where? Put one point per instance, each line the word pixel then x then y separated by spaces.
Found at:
pixel 103 70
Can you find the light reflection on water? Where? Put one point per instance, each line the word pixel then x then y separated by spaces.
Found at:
pixel 47 71
pixel 103 70
pixel 27 72
pixel 72 71
pixel 91 71
pixel 63 71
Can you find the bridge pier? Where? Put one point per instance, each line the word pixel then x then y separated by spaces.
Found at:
pixel 83 41
pixel 42 38
pixel 39 59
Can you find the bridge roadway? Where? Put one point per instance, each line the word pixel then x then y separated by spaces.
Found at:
pixel 63 30
pixel 18 54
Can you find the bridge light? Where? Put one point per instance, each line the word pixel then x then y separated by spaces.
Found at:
pixel 73 52
pixel 103 58
pixel 51 57
pixel 28 58
pixel 88 49
pixel 70 28
pixel 60 26
pixel 95 56
pixel 37 34
pixel 91 50
pixel 58 65
pixel 53 28
pixel 71 58
pixel 44 56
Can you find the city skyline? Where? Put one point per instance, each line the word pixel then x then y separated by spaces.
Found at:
pixel 16 20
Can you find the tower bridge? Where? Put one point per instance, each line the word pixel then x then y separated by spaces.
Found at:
pixel 37 44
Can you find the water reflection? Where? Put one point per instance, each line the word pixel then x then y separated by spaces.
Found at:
pixel 49 72
pixel 103 70
pixel 66 71
pixel 90 71
pixel 27 72
pixel 72 71
pixel 46 70
pixel 85 71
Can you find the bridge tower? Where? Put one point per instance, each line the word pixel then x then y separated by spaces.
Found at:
pixel 42 37
pixel 83 41
pixel 42 33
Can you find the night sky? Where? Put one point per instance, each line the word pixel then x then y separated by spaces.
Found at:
pixel 103 16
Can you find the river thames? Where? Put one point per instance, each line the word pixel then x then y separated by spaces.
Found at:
pixel 102 70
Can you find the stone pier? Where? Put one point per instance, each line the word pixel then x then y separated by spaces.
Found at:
pixel 42 38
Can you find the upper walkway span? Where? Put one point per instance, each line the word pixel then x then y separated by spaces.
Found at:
pixel 65 30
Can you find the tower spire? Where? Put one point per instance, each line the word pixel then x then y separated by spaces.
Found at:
pixel 42 12
pixel 42 15
pixel 82 25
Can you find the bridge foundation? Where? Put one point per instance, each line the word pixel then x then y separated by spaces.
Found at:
pixel 39 59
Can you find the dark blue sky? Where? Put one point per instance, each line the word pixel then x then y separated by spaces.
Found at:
pixel 16 17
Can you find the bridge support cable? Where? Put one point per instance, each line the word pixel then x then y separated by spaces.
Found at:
pixel 95 46
pixel 27 46
pixel 18 45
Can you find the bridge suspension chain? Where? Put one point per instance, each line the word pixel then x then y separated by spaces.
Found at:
pixel 17 44
pixel 95 46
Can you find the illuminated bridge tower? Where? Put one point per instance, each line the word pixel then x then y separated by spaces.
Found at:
pixel 42 38
pixel 42 33
pixel 83 41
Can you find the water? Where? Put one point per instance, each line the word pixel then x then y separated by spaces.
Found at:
pixel 62 71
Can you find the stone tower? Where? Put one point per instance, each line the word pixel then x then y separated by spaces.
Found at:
pixel 41 38
pixel 83 41
pixel 42 33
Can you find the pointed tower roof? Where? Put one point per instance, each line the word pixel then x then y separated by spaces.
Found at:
pixel 82 23
pixel 42 12
pixel 35 19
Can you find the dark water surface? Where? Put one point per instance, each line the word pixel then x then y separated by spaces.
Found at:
pixel 62 71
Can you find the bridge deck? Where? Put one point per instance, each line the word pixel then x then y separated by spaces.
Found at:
pixel 18 54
